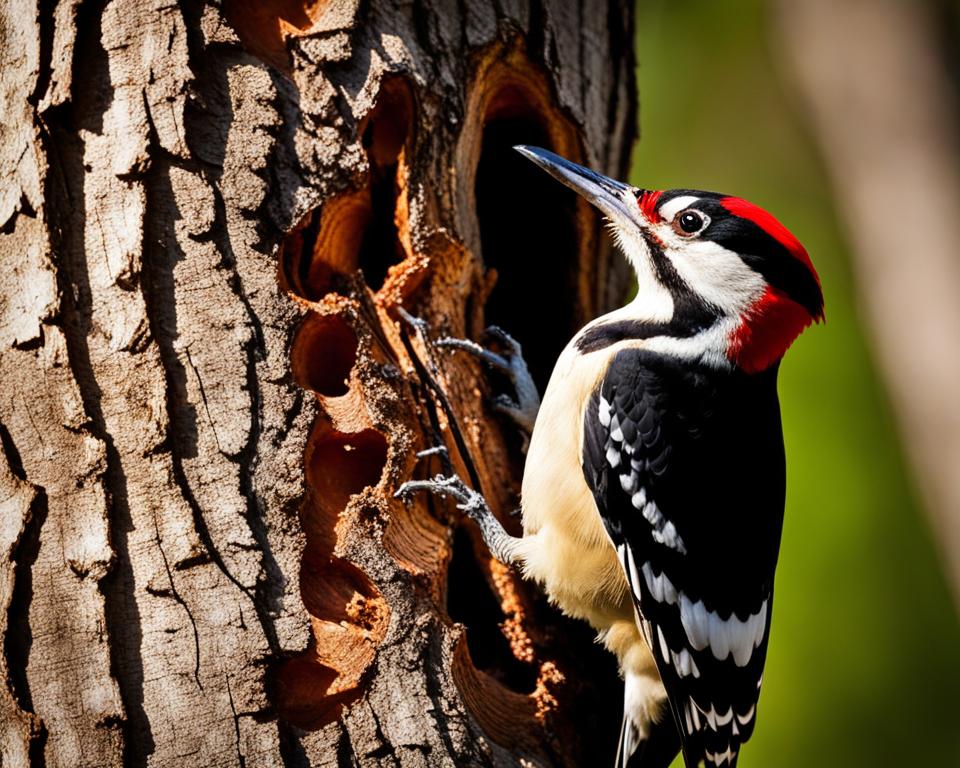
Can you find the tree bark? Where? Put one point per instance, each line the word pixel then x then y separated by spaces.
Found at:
pixel 210 217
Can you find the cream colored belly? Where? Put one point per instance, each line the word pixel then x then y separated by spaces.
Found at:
pixel 565 545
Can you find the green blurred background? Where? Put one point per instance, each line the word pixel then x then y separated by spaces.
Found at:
pixel 864 662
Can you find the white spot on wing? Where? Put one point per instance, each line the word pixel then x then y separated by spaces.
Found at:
pixel 613 456
pixel 720 758
pixel 603 412
pixel 615 432
pixel 664 532
pixel 664 649
pixel 660 586
pixel 724 636
pixel 724 719
pixel 693 616
pixel 668 536
pixel 685 664
pixel 748 716
pixel 653 514
pixel 715 719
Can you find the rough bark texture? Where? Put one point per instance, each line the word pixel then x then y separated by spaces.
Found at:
pixel 876 76
pixel 209 218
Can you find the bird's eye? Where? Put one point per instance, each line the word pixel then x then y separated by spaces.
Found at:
pixel 689 223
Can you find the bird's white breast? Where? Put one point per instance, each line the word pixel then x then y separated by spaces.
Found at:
pixel 565 545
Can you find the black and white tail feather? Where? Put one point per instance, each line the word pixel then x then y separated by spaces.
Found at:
pixel 703 605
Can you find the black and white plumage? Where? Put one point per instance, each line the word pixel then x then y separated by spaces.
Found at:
pixel 686 464
pixel 680 443
pixel 653 490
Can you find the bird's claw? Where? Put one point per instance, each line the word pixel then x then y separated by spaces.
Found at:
pixel 472 503
pixel 467 500
pixel 496 332
pixel 524 407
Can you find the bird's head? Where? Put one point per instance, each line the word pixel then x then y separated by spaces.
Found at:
pixel 709 266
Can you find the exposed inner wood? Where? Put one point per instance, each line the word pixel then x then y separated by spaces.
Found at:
pixel 533 237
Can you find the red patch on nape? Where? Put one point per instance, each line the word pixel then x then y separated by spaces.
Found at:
pixel 766 331
pixel 747 210
pixel 648 204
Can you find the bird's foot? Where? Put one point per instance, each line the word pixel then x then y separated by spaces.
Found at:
pixel 501 544
pixel 523 409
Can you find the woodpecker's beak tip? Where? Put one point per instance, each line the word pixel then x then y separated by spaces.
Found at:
pixel 598 189
pixel 536 154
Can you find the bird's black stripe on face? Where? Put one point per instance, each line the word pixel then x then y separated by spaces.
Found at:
pixel 691 314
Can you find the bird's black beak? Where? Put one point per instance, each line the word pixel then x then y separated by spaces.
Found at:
pixel 612 197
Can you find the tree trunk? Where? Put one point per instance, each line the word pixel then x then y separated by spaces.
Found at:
pixel 210 217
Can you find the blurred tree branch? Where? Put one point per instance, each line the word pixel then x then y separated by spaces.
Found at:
pixel 885 113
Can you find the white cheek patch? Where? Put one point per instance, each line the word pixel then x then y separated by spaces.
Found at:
pixel 717 274
pixel 672 207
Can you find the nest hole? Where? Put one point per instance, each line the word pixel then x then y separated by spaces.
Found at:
pixel 362 228
pixel 339 465
pixel 324 246
pixel 337 591
pixel 471 602
pixel 324 353
pixel 529 235
pixel 309 693
pixel 384 135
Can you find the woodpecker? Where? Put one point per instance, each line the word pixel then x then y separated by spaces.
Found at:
pixel 654 483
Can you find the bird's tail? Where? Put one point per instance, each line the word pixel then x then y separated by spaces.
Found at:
pixel 653 745
pixel 657 750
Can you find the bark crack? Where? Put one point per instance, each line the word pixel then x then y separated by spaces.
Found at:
pixel 386 748
pixel 203 397
pixel 236 725
pixel 179 598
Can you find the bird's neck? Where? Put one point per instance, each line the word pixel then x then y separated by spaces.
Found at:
pixel 765 331
pixel 753 341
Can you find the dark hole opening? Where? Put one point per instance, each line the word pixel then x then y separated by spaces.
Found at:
pixel 383 140
pixel 325 353
pixel 344 464
pixel 529 235
pixel 471 602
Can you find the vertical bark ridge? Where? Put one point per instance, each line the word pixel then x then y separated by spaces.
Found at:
pixel 23 507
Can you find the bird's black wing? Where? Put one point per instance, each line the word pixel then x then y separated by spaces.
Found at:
pixel 687 468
